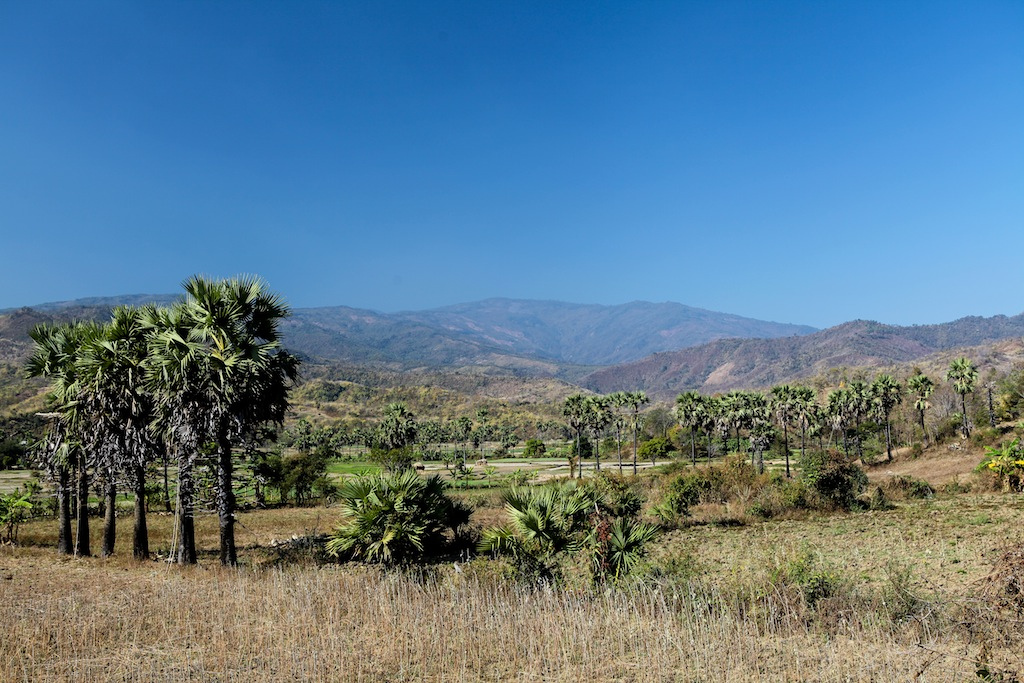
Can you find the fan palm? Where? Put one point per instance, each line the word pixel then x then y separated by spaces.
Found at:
pixel 963 375
pixel 922 387
pixel 887 394
pixel 55 356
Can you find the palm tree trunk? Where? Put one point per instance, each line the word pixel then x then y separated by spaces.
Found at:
pixel 110 518
pixel 64 511
pixel 618 441
pixel 924 430
pixel 140 536
pixel 860 446
pixel 167 488
pixel 82 526
pixel 634 446
pixel 693 447
pixel 186 552
pixel 226 505
pixel 888 439
pixel 963 404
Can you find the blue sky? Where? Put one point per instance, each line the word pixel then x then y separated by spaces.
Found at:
pixel 807 162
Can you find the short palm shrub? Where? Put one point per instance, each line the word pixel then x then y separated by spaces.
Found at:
pixel 395 518
pixel 544 522
pixel 619 545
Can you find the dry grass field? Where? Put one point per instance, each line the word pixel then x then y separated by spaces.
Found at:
pixel 874 596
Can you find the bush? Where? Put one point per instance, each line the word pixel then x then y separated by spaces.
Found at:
pixel 534 448
pixel 655 448
pixel 393 460
pixel 615 495
pixel 837 480
pixel 395 518
pixel 902 486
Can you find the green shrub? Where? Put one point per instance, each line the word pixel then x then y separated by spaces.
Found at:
pixel 653 449
pixel 615 494
pixel 833 477
pixel 534 448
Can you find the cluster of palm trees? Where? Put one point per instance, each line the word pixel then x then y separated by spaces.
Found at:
pixel 596 413
pixel 844 412
pixel 194 380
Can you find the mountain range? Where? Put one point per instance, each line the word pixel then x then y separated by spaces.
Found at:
pixel 662 348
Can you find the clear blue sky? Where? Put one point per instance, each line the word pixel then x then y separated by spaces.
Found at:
pixel 808 162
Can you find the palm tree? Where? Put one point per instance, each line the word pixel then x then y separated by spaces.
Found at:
pixel 761 435
pixel 804 407
pixel 887 393
pixel 55 356
pixel 398 428
pixel 395 518
pixel 783 401
pixel 688 412
pixel 860 406
pixel 838 412
pixel 247 374
pixel 575 410
pixel 598 414
pixel 222 376
pixel 543 522
pixel 922 387
pixel 618 401
pixel 963 375
pixel 114 367
pixel 633 400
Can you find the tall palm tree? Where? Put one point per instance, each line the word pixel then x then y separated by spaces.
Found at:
pixel 860 406
pixel 804 406
pixel 633 400
pixel 55 356
pixel 922 387
pixel 575 410
pixel 838 412
pixel 216 361
pixel 398 428
pixel 598 414
pixel 114 366
pixel 688 412
pixel 246 374
pixel 963 375
pixel 783 402
pixel 618 402
pixel 887 394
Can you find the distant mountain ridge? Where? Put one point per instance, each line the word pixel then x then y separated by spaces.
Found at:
pixel 594 334
pixel 667 348
pixel 748 363
pixel 535 337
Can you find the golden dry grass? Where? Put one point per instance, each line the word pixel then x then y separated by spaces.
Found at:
pixel 118 620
